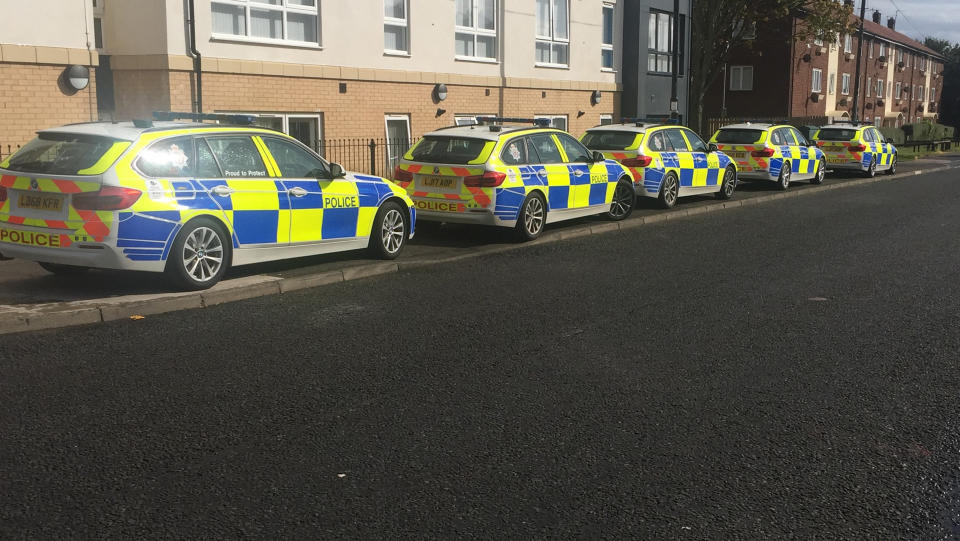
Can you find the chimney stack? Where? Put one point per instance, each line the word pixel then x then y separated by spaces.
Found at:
pixel 891 23
pixel 876 17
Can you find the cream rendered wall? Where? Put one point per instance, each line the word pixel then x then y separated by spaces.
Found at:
pixel 891 74
pixel 47 23
pixel 833 65
pixel 352 35
pixel 135 27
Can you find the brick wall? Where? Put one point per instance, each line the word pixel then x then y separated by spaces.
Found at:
pixel 31 100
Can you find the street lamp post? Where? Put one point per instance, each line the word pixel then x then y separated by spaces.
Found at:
pixel 855 117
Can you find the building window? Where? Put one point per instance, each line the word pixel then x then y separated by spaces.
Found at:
pixel 606 41
pixel 899 90
pixel 606 120
pixel 816 82
pixel 553 32
pixel 556 121
pixel 883 49
pixel 398 138
pixel 396 27
pixel 818 42
pixel 306 128
pixel 296 21
pixel 848 43
pixel 845 84
pixel 933 94
pixel 832 84
pixel 869 49
pixel 660 43
pixel 899 55
pixel 880 88
pixel 869 85
pixel 464 119
pixel 877 121
pixel 741 78
pixel 476 29
pixel 98 32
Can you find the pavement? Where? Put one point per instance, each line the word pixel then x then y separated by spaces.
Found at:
pixel 31 298
pixel 782 370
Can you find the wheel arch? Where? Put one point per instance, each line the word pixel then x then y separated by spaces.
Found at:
pixel 218 220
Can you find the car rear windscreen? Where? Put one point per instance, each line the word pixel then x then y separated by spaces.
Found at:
pixel 60 153
pixel 609 140
pixel 437 149
pixel 836 134
pixel 738 136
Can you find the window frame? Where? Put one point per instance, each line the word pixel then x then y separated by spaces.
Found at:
pixel 399 23
pixel 899 93
pixel 847 43
pixel 816 80
pixel 476 31
pixel 741 71
pixel 551 40
pixel 832 84
pixel 552 117
pixel 656 52
pixel 457 117
pixel 393 159
pixel 283 8
pixel 845 84
pixel 604 46
pixel 606 117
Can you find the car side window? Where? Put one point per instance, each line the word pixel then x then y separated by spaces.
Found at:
pixel 868 136
pixel 676 140
pixel 515 153
pixel 546 149
pixel 696 143
pixel 786 136
pixel 801 140
pixel 294 161
pixel 169 158
pixel 576 152
pixel 207 166
pixel 659 143
pixel 237 156
pixel 878 137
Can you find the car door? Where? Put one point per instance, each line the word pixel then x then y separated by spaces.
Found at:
pixel 805 154
pixel 253 201
pixel 590 183
pixel 551 167
pixel 868 141
pixel 706 165
pixel 789 150
pixel 661 154
pixel 886 153
pixel 321 208
pixel 684 157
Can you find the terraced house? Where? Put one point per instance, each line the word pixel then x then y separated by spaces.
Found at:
pixel 900 78
pixel 329 70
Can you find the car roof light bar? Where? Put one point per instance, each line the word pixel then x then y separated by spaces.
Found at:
pixel 541 122
pixel 239 120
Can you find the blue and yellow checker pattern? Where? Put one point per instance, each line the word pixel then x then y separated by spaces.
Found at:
pixel 858 153
pixel 803 160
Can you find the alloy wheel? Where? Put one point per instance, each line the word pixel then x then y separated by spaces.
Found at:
pixel 202 254
pixel 392 231
pixel 533 216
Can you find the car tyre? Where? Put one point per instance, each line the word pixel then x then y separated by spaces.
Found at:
pixel 389 233
pixel 783 181
pixel 200 255
pixel 532 217
pixel 871 169
pixel 63 270
pixel 893 165
pixel 729 184
pixel 669 191
pixel 624 197
pixel 820 174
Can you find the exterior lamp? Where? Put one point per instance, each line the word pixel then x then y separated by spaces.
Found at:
pixel 440 91
pixel 76 77
pixel 674 105
pixel 596 97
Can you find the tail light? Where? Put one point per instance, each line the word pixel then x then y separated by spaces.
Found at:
pixel 637 161
pixel 3 194
pixel 402 176
pixel 858 148
pixel 820 143
pixel 108 198
pixel 765 153
pixel 489 179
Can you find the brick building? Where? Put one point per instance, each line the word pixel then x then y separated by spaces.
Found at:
pixel 777 76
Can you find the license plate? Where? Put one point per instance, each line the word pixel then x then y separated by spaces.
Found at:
pixel 837 160
pixel 37 201
pixel 738 154
pixel 438 182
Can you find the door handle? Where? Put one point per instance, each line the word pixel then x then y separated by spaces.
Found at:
pixel 578 173
pixel 222 190
pixel 542 172
pixel 297 192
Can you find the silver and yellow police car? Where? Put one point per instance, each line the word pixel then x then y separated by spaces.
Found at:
pixel 774 152
pixel 857 147
pixel 667 161
pixel 188 199
pixel 516 176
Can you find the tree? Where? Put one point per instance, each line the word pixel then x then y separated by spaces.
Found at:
pixel 950 96
pixel 719 26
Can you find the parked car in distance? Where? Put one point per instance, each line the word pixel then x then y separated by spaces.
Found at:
pixel 667 161
pixel 773 152
pixel 518 176
pixel 856 147
pixel 188 199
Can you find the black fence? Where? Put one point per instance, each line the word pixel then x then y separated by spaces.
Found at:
pixel 369 156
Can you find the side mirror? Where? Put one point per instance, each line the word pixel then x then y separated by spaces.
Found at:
pixel 336 171
pixel 597 156
pixel 890 140
pixel 712 147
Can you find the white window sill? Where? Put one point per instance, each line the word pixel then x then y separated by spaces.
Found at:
pixel 482 60
pixel 551 66
pixel 265 41
pixel 404 54
pixel 608 70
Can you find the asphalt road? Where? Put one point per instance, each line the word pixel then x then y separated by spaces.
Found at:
pixel 786 369
pixel 24 282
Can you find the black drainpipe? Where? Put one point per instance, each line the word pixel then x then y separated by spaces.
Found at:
pixel 197 61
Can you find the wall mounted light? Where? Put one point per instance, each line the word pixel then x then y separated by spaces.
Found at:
pixel 596 97
pixel 75 78
pixel 441 111
pixel 440 91
pixel 580 114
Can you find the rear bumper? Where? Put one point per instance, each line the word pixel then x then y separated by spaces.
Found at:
pixel 21 243
pixel 755 175
pixel 850 166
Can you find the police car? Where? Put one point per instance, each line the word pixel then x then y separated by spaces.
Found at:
pixel 188 199
pixel 667 162
pixel 511 176
pixel 858 148
pixel 775 152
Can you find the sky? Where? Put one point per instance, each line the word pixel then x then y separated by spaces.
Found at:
pixel 920 18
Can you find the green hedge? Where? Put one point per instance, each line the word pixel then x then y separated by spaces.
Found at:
pixel 927 131
pixel 898 136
